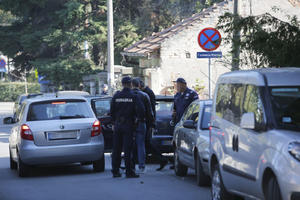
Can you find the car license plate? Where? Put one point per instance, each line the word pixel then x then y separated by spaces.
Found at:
pixel 62 135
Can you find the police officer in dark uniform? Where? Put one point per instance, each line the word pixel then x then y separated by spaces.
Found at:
pixel 126 109
pixel 182 99
pixel 142 125
pixel 153 145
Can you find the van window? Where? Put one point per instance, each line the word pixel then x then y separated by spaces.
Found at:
pixel 253 103
pixel 286 107
pixel 229 102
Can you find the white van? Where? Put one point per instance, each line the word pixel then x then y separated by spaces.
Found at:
pixel 255 135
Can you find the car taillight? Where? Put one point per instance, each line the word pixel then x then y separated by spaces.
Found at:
pixel 96 128
pixel 26 133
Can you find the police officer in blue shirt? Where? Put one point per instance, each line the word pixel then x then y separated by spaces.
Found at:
pixel 126 110
pixel 183 98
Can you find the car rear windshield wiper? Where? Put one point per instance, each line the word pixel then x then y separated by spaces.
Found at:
pixel 71 117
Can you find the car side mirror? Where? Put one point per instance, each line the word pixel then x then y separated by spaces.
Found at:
pixel 8 120
pixel 248 121
pixel 189 124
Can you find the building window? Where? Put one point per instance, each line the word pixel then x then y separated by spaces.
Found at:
pixel 188 55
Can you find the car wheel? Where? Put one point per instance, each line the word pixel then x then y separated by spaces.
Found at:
pixel 99 165
pixel 273 190
pixel 218 191
pixel 13 164
pixel 23 169
pixel 202 178
pixel 180 169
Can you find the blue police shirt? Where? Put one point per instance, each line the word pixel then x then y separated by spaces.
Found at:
pixel 182 101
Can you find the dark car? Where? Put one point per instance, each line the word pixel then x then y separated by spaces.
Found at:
pixel 101 107
pixel 163 131
pixel 191 141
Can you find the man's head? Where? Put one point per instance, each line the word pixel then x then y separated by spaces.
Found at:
pixel 135 83
pixel 105 87
pixel 180 85
pixel 126 82
pixel 142 84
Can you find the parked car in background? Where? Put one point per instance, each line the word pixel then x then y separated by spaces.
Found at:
pixel 101 107
pixel 191 141
pixel 255 135
pixel 55 130
pixel 162 134
pixel 21 98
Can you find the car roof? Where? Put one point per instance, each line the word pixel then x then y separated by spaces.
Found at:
pixel 164 97
pixel 205 101
pixel 287 76
pixel 51 98
pixel 98 97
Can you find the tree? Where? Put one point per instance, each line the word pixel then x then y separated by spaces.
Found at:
pixel 49 35
pixel 266 41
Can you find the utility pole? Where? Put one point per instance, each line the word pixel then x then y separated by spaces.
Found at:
pixel 110 47
pixel 236 39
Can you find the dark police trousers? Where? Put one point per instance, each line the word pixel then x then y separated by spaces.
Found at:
pixel 123 137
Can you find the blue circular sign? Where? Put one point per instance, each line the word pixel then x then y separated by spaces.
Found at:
pixel 209 39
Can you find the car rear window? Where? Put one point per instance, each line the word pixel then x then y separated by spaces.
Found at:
pixel 59 109
pixel 206 117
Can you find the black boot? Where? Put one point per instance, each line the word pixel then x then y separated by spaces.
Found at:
pixel 162 165
pixel 116 174
pixel 132 175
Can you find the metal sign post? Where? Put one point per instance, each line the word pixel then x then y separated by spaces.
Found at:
pixel 209 40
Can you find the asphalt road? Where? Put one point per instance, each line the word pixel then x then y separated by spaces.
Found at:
pixel 75 182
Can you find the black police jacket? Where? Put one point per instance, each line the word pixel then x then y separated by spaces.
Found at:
pixel 126 107
pixel 151 95
pixel 149 117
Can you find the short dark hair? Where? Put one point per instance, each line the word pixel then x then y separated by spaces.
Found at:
pixel 135 82
pixel 142 84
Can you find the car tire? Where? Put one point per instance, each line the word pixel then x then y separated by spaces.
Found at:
pixel 23 169
pixel 180 169
pixel 202 178
pixel 99 165
pixel 12 163
pixel 273 190
pixel 218 191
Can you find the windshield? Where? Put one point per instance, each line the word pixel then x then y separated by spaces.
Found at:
pixel 162 106
pixel 286 106
pixel 61 109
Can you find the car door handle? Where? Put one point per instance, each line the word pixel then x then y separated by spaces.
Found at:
pixel 235 143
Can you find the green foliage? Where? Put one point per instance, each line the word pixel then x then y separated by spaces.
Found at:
pixel 265 40
pixel 49 35
pixel 10 91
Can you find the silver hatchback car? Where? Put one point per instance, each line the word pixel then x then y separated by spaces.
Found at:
pixel 50 130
